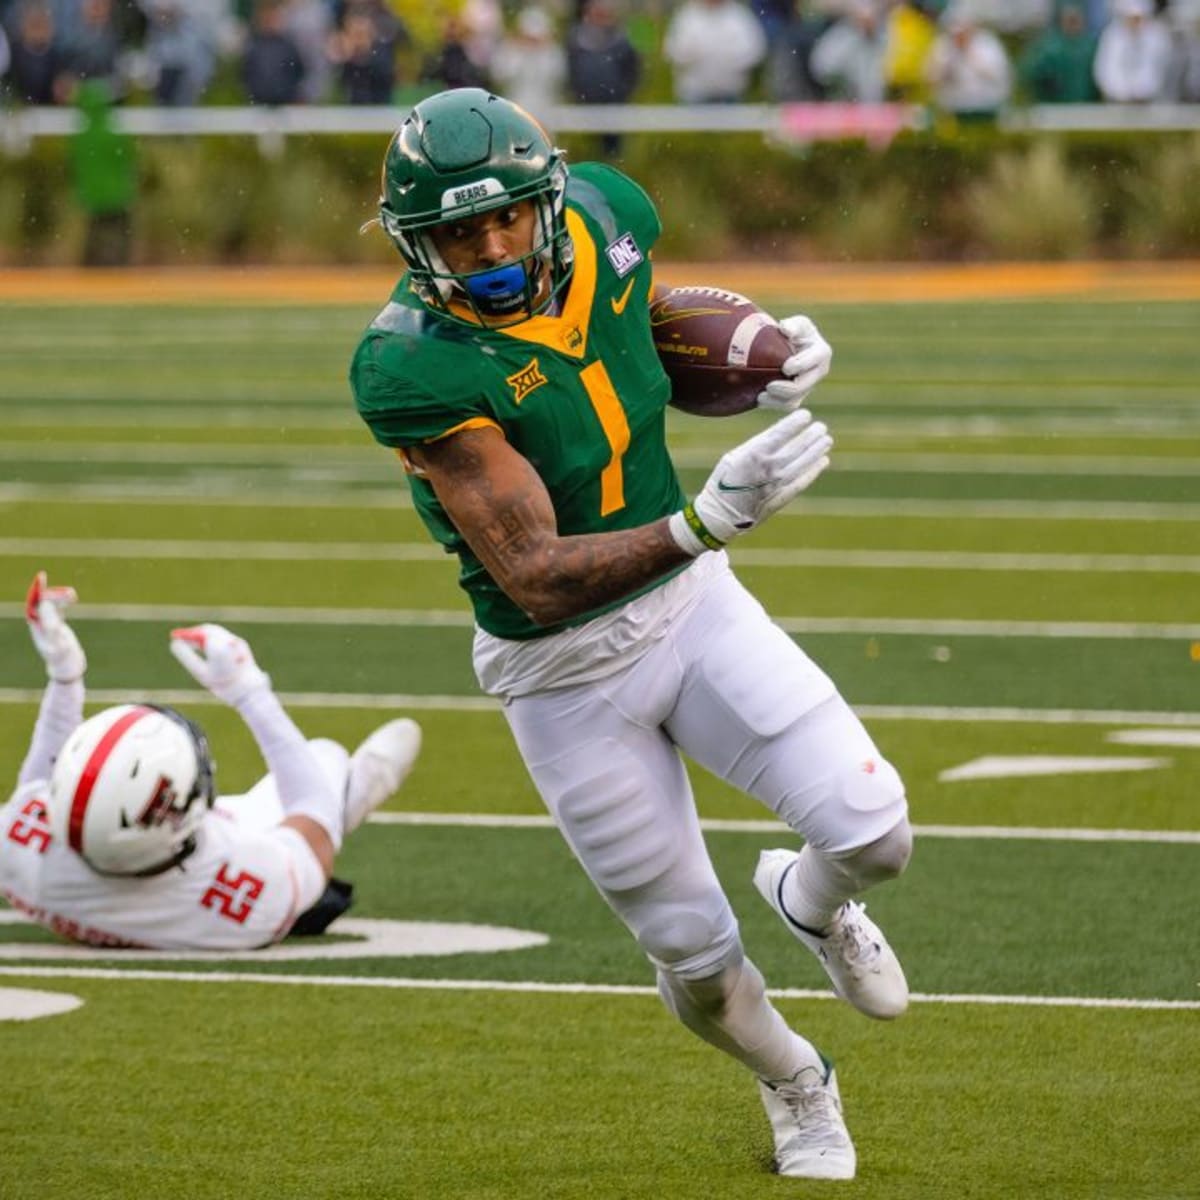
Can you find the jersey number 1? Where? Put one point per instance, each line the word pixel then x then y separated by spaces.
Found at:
pixel 611 415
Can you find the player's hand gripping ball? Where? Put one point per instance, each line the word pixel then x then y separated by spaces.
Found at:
pixel 719 349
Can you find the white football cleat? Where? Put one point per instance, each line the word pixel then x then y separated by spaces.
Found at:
pixel 863 968
pixel 811 1138
pixel 378 767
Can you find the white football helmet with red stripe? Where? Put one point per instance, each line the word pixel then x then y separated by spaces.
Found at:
pixel 130 789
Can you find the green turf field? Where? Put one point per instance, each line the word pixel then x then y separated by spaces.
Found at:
pixel 1003 563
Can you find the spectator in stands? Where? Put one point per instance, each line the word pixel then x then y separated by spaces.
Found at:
pixel 968 68
pixel 1133 55
pixel 788 74
pixel 911 32
pixel 309 23
pixel 603 66
pixel 93 50
pixel 1184 75
pixel 366 59
pixel 483 28
pixel 5 57
pixel 774 16
pixel 713 46
pixel 1056 67
pixel 452 66
pixel 530 67
pixel 272 68
pixel 848 57
pixel 37 70
pixel 1014 17
pixel 181 51
pixel 103 164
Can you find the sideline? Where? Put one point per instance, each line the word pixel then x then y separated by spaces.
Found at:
pixel 563 989
pixel 815 282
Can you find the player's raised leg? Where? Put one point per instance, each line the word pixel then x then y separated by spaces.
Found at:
pixel 861 965
pixel 379 766
pixel 792 742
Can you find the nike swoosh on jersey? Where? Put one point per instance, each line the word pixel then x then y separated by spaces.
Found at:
pixel 619 302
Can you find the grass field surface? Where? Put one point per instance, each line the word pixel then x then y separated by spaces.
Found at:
pixel 1002 571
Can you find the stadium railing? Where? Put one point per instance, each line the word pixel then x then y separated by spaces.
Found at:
pixel 19 127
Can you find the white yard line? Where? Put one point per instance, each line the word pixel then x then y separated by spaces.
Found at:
pixel 1097 423
pixel 932 463
pixel 375 701
pixel 225 491
pixel 216 415
pixel 880 560
pixel 716 825
pixel 256 614
pixel 555 989
pixel 200 549
pixel 207 453
pixel 361 453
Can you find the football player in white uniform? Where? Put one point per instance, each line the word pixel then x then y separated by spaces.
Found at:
pixel 116 837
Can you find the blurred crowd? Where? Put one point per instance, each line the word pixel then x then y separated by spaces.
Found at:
pixel 967 57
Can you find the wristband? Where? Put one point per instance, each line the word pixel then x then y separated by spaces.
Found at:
pixel 691 534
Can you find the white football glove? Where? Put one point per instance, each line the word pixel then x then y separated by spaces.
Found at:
pixel 54 639
pixel 219 660
pixel 808 365
pixel 752 481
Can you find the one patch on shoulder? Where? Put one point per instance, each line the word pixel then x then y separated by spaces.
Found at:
pixel 623 254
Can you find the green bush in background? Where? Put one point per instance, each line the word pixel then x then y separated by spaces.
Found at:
pixel 977 195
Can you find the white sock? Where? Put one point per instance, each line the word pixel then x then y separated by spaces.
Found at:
pixel 814 888
pixel 731 1011
pixel 818 884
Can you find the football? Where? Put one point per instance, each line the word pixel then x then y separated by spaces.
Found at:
pixel 719 349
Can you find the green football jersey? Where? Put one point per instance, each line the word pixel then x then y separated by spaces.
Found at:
pixel 581 394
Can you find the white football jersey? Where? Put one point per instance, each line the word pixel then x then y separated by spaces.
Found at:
pixel 241 888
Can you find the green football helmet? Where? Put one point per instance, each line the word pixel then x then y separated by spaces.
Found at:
pixel 464 152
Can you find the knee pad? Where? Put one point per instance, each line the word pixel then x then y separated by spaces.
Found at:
pixel 687 944
pixel 882 859
pixel 859 803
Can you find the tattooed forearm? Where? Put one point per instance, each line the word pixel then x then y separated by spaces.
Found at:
pixel 514 530
pixel 591 570
pixel 554 578
pixel 500 505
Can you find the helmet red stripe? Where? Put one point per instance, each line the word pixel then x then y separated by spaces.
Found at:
pixel 91 772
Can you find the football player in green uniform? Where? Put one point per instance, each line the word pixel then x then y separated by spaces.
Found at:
pixel 514 372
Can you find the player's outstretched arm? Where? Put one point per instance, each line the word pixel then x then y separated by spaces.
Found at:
pixel 499 503
pixel 811 358
pixel 62 704
pixel 224 663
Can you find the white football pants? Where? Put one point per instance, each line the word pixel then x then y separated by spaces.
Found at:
pixel 732 690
